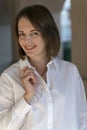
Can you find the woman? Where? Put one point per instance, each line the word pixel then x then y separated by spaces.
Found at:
pixel 40 91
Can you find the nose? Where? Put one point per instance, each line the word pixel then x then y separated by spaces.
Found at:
pixel 28 39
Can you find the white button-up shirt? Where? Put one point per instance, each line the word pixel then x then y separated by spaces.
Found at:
pixel 59 104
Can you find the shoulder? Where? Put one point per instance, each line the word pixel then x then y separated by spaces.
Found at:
pixel 63 65
pixel 67 70
pixel 12 70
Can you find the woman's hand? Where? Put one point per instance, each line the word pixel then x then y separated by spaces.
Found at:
pixel 29 82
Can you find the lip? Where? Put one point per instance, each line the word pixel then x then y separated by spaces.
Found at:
pixel 28 48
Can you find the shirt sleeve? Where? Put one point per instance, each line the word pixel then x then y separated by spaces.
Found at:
pixel 82 101
pixel 12 115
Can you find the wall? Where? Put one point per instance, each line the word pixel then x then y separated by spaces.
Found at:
pixel 5 46
pixel 79 36
pixel 5 35
pixel 52 5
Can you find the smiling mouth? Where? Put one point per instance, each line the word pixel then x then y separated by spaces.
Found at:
pixel 29 48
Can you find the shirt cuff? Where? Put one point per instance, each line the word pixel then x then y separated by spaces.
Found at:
pixel 21 108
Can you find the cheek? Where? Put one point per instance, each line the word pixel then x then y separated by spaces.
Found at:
pixel 40 45
pixel 41 42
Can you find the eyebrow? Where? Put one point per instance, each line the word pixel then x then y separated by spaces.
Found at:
pixel 20 31
pixel 30 30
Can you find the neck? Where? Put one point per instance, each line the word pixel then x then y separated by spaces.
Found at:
pixel 40 64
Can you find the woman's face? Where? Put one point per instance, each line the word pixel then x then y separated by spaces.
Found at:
pixel 30 39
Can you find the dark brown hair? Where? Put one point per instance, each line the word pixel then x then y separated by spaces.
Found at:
pixel 41 19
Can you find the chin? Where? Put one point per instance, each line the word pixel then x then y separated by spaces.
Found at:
pixel 30 55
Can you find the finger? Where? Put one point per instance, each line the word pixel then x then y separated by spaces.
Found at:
pixel 28 71
pixel 30 77
pixel 23 70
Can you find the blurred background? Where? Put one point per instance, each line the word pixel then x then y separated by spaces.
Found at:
pixel 70 17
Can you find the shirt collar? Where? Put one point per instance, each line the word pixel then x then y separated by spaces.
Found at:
pixel 24 63
pixel 54 64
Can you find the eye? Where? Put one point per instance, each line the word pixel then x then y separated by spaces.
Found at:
pixel 21 34
pixel 34 33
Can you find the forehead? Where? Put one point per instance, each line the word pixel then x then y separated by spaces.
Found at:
pixel 24 23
